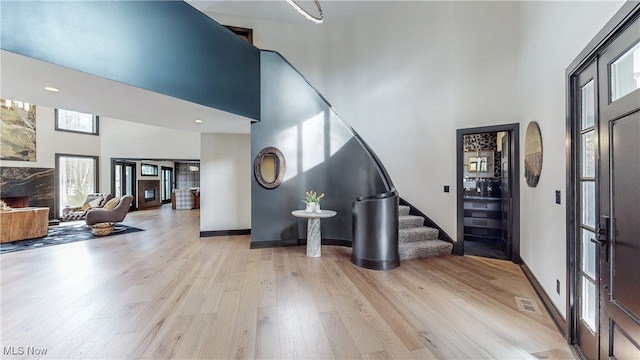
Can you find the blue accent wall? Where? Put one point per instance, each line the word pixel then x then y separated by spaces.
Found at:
pixel 162 46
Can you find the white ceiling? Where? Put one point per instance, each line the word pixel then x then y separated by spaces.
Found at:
pixel 24 79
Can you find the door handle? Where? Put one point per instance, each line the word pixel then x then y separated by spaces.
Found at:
pixel 602 236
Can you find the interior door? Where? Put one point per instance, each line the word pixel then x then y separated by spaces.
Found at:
pixel 618 232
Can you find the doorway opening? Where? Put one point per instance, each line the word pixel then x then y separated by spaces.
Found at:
pixel 123 181
pixel 488 196
pixel 166 180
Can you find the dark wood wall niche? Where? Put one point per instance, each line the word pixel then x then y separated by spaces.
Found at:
pixel 143 202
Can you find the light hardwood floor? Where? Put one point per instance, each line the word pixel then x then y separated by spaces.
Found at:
pixel 167 293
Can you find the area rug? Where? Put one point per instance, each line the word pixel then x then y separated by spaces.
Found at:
pixel 63 235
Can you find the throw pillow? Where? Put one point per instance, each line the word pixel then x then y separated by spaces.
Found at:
pixel 111 204
pixel 92 204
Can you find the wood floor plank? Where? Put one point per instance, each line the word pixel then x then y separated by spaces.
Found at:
pixel 167 293
pixel 267 334
pixel 342 345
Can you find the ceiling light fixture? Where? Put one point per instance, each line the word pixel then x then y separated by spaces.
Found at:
pixel 305 13
pixel 51 88
pixel 198 121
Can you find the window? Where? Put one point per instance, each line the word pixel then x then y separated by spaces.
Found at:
pixel 148 170
pixel 77 122
pixel 77 176
pixel 625 73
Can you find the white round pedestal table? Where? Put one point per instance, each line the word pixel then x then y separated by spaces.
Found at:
pixel 313 228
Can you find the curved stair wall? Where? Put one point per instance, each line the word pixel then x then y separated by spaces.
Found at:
pixel 322 154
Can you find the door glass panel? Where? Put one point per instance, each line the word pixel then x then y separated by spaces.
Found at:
pixel 588 102
pixel 587 156
pixel 625 73
pixel 118 180
pixel 588 304
pixel 588 251
pixel 129 177
pixel 588 203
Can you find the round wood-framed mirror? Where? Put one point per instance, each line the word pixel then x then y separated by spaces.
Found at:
pixel 532 154
pixel 269 167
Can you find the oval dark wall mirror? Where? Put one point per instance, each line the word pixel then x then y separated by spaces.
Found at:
pixel 532 154
pixel 269 167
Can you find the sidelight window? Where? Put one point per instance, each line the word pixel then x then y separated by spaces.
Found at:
pixel 587 172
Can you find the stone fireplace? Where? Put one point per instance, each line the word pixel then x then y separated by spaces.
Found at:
pixel 27 186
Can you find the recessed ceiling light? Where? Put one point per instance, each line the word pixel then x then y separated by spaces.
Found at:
pixel 51 88
pixel 198 121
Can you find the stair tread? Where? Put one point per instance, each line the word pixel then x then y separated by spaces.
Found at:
pixel 403 210
pixel 417 234
pixel 424 249
pixel 426 243
pixel 410 221
pixel 410 216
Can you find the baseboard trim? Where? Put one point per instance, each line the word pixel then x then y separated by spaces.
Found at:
pixel 225 232
pixel 299 242
pixel 556 316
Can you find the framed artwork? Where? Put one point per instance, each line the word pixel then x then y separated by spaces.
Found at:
pixel 17 131
pixel 479 164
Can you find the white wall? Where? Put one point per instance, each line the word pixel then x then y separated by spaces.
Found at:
pixel 225 182
pixel 407 76
pixel 126 139
pixel 553 34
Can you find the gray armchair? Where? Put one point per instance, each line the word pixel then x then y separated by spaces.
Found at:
pixel 99 215
pixel 78 213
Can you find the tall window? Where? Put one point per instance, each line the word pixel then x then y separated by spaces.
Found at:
pixel 77 176
pixel 587 173
pixel 74 121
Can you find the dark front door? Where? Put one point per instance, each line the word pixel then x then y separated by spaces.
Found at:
pixel 618 229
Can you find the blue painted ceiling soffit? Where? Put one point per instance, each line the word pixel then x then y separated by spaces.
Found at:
pixel 163 46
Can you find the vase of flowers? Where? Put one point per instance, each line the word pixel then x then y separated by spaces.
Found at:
pixel 312 199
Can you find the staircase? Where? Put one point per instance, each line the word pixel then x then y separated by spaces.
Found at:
pixel 417 241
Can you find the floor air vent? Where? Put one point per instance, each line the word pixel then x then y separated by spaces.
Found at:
pixel 527 305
